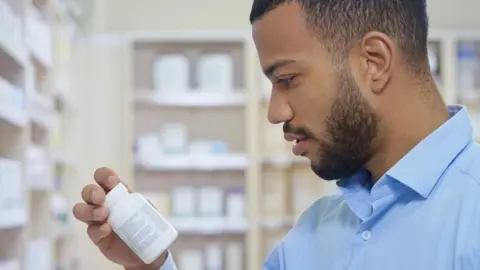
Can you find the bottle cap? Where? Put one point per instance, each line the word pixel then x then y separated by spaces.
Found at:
pixel 115 195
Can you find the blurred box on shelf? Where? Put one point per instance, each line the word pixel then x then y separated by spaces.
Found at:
pixel 191 259
pixel 42 110
pixel 39 38
pixel 213 256
pixel 234 256
pixel 468 55
pixel 147 148
pixel 184 201
pixel 11 33
pixel 172 141
pixel 13 207
pixel 171 73
pixel 10 265
pixel 174 138
pixel 12 186
pixel 235 204
pixel 39 254
pixel 12 104
pixel 39 172
pixel 215 73
pixel 210 201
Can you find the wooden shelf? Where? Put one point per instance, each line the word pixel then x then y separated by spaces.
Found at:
pixel 13 219
pixel 209 226
pixel 191 99
pixel 28 66
pixel 230 162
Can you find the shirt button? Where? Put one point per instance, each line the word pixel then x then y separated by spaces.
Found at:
pixel 366 235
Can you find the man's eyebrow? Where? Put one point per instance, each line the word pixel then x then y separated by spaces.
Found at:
pixel 269 70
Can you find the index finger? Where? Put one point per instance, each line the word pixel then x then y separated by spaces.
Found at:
pixel 106 178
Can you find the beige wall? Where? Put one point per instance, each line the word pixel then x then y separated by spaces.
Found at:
pixel 226 14
pixel 100 84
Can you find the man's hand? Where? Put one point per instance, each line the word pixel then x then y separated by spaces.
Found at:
pixel 93 212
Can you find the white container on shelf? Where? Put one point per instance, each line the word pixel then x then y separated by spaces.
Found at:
pixel 148 149
pixel 171 73
pixel 12 264
pixel 191 259
pixel 208 147
pixel 235 204
pixel 215 72
pixel 39 173
pixel 39 255
pixel 12 184
pixel 234 256
pixel 469 70
pixel 213 257
pixel 174 138
pixel 210 201
pixel 184 201
pixel 39 37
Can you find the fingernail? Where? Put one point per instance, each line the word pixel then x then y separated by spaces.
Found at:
pixel 93 196
pixel 110 180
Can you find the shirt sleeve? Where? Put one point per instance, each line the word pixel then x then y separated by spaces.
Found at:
pixel 275 260
pixel 169 263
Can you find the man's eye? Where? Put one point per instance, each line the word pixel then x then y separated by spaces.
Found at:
pixel 285 82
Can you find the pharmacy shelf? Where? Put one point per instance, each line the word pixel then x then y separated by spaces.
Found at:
pixel 173 138
pixel 28 110
pixel 12 48
pixel 209 226
pixel 13 115
pixel 13 218
pixel 191 98
pixel 218 162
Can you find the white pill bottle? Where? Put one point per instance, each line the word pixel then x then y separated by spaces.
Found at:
pixel 139 224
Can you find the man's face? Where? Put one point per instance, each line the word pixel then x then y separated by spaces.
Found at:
pixel 321 105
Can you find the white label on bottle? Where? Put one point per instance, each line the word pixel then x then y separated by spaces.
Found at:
pixel 142 229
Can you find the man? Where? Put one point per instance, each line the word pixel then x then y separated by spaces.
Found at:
pixel 352 87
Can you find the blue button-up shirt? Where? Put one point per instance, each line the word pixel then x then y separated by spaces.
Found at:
pixel 423 214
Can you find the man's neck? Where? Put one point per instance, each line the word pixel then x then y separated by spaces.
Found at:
pixel 404 129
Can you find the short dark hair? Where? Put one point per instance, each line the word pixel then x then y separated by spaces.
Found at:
pixel 340 23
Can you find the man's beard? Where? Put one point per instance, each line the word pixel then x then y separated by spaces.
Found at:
pixel 351 127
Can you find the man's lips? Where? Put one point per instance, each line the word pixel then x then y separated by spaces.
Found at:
pixel 293 137
pixel 300 146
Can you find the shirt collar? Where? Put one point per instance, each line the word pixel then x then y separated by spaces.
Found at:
pixel 423 166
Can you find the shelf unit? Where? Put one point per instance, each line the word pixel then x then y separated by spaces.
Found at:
pixel 34 105
pixel 277 186
pixel 191 151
